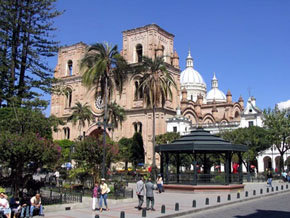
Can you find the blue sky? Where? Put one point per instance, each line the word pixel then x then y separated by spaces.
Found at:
pixel 246 42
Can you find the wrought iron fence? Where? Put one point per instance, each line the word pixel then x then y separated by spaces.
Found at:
pixel 202 179
pixel 60 198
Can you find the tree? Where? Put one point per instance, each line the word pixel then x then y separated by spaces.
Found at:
pixel 25 143
pixel 105 70
pixel 167 137
pixel 66 150
pixel 81 114
pixel 255 137
pixel 23 121
pixel 137 149
pixel 155 84
pixel 116 114
pixel 26 32
pixel 88 154
pixel 125 150
pixel 278 125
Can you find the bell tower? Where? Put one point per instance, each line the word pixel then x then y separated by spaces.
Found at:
pixel 150 40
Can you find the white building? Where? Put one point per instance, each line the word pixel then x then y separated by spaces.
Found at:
pixel 252 115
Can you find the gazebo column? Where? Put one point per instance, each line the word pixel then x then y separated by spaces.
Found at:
pixel 162 164
pixel 195 170
pixel 177 167
pixel 166 169
pixel 240 168
pixel 227 168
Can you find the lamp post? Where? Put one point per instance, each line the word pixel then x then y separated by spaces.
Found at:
pixel 105 125
pixel 248 164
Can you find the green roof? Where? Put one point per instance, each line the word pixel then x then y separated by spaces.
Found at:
pixel 200 140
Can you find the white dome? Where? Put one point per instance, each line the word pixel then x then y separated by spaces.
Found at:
pixel 215 94
pixel 190 76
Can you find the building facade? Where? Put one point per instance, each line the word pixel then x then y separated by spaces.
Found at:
pixel 150 41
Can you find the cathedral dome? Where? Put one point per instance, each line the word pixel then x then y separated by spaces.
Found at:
pixel 215 94
pixel 190 75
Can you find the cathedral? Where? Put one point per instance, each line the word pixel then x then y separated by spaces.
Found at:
pixel 190 105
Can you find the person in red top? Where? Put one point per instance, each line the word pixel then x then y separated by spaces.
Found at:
pixel 96 195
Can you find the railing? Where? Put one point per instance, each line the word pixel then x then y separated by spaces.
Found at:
pixel 202 179
pixel 60 198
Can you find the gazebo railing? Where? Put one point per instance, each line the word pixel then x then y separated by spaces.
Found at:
pixel 202 179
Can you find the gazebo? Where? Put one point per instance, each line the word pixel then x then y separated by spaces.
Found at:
pixel 199 146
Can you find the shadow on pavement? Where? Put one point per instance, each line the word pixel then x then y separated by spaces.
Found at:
pixel 267 213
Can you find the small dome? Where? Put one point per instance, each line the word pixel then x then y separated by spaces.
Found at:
pixel 215 94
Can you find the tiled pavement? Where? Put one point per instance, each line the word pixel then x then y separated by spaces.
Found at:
pixel 169 199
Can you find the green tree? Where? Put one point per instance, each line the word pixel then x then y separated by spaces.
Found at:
pixel 22 121
pixel 88 155
pixel 137 149
pixel 81 114
pixel 125 150
pixel 26 40
pixel 255 137
pixel 155 84
pixel 116 114
pixel 24 153
pixel 278 125
pixel 66 147
pixel 167 137
pixel 105 70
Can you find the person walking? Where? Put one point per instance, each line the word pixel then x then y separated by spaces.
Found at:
pixel 104 194
pixel 149 194
pixel 140 191
pixel 96 195
pixel 159 184
pixel 269 177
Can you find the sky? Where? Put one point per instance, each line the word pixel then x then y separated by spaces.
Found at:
pixel 245 42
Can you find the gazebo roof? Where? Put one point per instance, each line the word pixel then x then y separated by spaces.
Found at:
pixel 200 140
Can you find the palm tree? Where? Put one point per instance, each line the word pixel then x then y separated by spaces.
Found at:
pixel 116 115
pixel 81 114
pixel 105 70
pixel 155 84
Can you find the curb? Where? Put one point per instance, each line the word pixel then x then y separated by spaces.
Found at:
pixel 86 203
pixel 220 205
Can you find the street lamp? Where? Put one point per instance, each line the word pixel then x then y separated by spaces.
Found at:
pixel 248 164
pixel 105 125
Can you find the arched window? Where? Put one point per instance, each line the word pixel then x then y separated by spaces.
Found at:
pixel 237 114
pixel 138 127
pixel 68 100
pixel 135 127
pixel 66 132
pixel 70 67
pixel 139 52
pixel 138 93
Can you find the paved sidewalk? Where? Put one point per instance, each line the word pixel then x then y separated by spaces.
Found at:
pixel 169 199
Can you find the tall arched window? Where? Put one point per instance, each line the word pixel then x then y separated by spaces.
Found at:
pixel 138 93
pixel 66 132
pixel 70 67
pixel 139 52
pixel 137 127
pixel 68 100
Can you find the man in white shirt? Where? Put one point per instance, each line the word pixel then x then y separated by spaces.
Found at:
pixel 36 203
